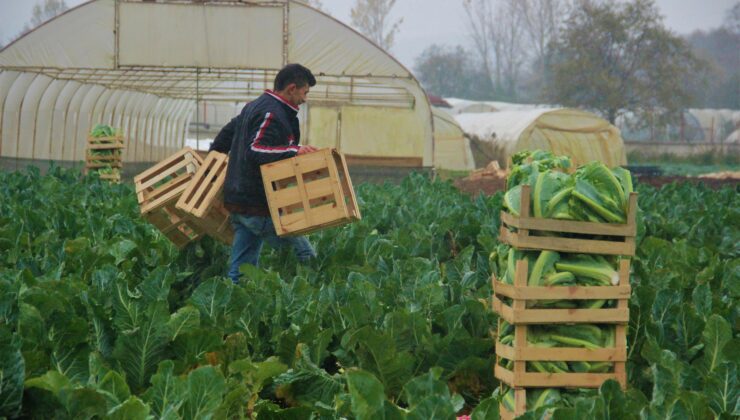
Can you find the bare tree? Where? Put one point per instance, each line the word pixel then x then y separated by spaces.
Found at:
pixel 541 20
pixel 42 11
pixel 510 50
pixel 45 11
pixel 481 23
pixel 495 27
pixel 451 71
pixel 370 17
pixel 732 18
pixel 316 4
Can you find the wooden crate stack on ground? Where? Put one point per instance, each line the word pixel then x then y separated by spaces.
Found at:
pixel 310 192
pixel 159 188
pixel 202 199
pixel 571 237
pixel 104 155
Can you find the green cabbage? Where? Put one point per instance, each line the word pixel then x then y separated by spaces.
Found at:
pixel 592 267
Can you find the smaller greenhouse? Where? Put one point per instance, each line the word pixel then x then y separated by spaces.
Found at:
pixel 451 147
pixel 635 127
pixel 581 135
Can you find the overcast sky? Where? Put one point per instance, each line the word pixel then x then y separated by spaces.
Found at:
pixel 427 22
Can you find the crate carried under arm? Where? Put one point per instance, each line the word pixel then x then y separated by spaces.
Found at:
pixel 158 189
pixel 202 199
pixel 310 192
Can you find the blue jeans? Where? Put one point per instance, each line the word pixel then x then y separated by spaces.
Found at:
pixel 249 234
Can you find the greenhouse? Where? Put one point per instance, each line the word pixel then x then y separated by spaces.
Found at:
pixel 87 66
pixel 581 135
pixel 451 147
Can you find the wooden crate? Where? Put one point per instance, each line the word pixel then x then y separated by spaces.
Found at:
pixel 111 177
pixel 525 236
pixel 166 180
pixel 202 199
pixel 520 293
pixel 521 317
pixel 158 189
pixel 103 163
pixel 96 162
pixel 112 142
pixel 174 224
pixel 310 192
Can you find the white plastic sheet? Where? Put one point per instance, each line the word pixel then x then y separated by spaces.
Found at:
pixel 140 66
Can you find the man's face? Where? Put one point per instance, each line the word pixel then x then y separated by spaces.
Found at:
pixel 297 95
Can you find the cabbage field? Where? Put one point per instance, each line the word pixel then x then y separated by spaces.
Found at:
pixel 101 317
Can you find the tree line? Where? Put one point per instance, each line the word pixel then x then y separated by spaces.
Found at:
pixel 601 55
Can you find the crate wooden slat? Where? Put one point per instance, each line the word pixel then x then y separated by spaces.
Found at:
pixel 166 180
pixel 552 380
pixel 174 225
pixel 112 177
pixel 104 165
pixel 202 199
pixel 104 158
pixel 116 177
pixel 111 140
pixel 310 192
pixel 565 354
pixel 623 234
pixel 541 316
pixel 158 189
pixel 521 292
pixel 105 146
pixel 106 162
pixel 621 291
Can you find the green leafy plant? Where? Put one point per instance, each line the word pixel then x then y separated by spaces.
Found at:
pixel 101 316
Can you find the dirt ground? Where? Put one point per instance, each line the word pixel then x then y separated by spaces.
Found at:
pixel 487 186
pixel 490 185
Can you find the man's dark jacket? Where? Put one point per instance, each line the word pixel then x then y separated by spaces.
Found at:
pixel 265 131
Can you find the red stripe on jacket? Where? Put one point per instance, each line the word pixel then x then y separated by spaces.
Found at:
pixel 258 147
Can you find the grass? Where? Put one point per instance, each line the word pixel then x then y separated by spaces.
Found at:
pixel 445 174
pixel 687 165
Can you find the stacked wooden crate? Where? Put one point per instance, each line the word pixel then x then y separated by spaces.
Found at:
pixel 104 156
pixel 182 195
pixel 159 188
pixel 202 199
pixel 310 192
pixel 529 233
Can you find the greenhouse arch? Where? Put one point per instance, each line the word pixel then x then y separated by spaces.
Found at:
pixel 143 67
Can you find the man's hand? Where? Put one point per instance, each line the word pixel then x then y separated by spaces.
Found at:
pixel 306 149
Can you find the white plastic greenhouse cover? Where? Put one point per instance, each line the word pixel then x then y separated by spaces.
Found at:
pixel 465 106
pixel 451 147
pixel 581 135
pixel 141 66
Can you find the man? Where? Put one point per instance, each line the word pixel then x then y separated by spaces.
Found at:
pixel 265 131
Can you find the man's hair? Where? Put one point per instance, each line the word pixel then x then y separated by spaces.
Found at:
pixel 293 73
